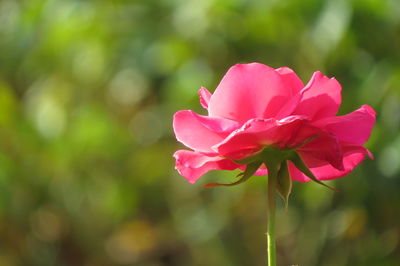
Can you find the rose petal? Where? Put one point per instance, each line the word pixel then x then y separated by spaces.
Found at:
pixel 258 133
pixel 205 96
pixel 289 107
pixel 291 80
pixel 201 132
pixel 325 171
pixel 354 128
pixel 324 147
pixel 192 165
pixel 261 171
pixel 321 97
pixel 252 91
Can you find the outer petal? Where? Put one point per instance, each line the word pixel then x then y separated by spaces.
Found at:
pixel 252 91
pixel 201 132
pixel 354 128
pixel 293 81
pixel 192 165
pixel 258 133
pixel 325 171
pixel 321 97
pixel 326 148
pixel 205 96
pixel 290 79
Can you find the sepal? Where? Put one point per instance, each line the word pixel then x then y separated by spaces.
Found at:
pixel 284 183
pixel 249 172
pixel 299 163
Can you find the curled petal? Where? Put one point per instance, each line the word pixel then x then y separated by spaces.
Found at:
pixel 205 96
pixel 321 97
pixel 252 91
pixel 325 171
pixel 192 165
pixel 324 147
pixel 201 132
pixel 258 133
pixel 262 171
pixel 354 128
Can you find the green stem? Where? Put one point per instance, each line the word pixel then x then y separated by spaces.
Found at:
pixel 272 175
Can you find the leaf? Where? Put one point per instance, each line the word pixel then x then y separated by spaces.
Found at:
pixel 284 183
pixel 299 163
pixel 250 170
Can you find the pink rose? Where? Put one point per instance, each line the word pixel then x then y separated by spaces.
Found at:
pixel 256 106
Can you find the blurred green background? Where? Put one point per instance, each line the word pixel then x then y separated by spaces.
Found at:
pixel 87 94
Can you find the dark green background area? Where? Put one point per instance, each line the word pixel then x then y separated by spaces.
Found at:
pixel 87 94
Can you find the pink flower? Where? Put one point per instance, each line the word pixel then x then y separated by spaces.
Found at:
pixel 256 106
